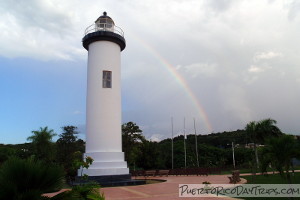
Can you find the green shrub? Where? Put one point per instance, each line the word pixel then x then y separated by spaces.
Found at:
pixel 28 179
pixel 88 191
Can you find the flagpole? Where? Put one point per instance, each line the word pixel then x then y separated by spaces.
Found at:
pixel 233 159
pixel 196 143
pixel 172 144
pixel 184 137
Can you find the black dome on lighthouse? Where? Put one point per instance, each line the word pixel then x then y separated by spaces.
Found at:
pixel 104 19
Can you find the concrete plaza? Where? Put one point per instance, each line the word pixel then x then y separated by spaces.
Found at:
pixel 168 190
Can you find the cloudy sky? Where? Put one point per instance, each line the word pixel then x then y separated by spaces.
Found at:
pixel 222 62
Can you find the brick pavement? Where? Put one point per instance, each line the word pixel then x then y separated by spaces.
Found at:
pixel 167 190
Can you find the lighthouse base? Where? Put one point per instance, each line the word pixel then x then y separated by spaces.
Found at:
pixel 112 180
pixel 107 169
pixel 105 164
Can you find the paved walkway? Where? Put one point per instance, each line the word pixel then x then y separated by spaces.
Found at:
pixel 167 190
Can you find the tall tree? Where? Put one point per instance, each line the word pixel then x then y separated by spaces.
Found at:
pixel 149 158
pixel 67 145
pixel 42 144
pixel 252 131
pixel 131 141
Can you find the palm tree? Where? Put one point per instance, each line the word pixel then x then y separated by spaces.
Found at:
pixel 42 143
pixel 281 150
pixel 267 128
pixel 251 130
pixel 261 130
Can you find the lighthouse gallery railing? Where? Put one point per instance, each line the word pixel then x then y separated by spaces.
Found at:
pixel 104 27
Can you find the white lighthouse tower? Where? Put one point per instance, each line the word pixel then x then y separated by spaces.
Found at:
pixel 104 42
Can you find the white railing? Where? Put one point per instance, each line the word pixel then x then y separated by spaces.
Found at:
pixel 104 27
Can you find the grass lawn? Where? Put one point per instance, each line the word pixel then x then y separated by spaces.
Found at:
pixel 241 171
pixel 270 179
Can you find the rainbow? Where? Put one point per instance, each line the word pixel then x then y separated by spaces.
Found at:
pixel 179 79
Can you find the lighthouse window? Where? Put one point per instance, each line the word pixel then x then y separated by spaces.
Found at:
pixel 106 83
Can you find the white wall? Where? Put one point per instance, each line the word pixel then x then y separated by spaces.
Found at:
pixel 103 117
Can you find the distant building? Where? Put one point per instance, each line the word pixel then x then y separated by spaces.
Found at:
pixel 251 145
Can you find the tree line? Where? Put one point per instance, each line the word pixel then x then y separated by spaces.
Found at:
pixel 42 148
pixel 31 169
pixel 260 146
pixel 214 150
